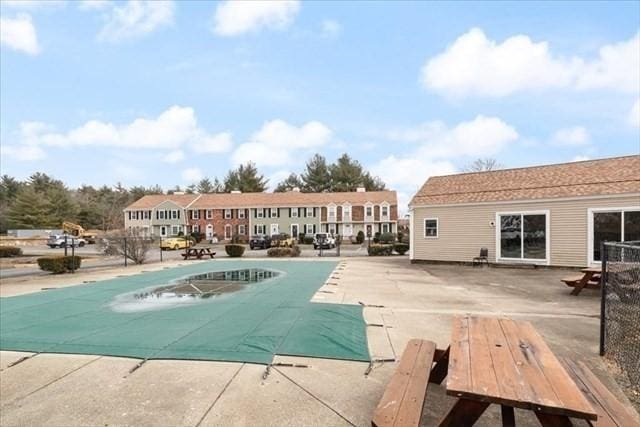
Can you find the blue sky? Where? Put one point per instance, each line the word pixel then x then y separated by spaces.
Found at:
pixel 164 93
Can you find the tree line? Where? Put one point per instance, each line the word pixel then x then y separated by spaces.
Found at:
pixel 41 201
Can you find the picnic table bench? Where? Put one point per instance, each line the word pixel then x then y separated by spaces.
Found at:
pixel 198 253
pixel 489 361
pixel 590 279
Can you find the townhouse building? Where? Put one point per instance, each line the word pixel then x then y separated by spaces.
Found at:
pixel 159 215
pixel 245 214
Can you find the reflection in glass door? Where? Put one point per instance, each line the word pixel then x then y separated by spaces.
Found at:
pixel 614 226
pixel 523 236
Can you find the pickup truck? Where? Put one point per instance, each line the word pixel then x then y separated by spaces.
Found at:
pixel 58 241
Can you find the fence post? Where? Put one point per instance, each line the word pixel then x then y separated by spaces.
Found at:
pixel 603 296
pixel 65 245
pixel 125 251
pixel 73 255
pixel 160 248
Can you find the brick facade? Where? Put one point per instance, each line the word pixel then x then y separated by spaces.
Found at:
pixel 219 223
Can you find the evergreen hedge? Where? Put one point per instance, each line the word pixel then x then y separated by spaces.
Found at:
pixel 284 252
pixel 9 251
pixel 380 250
pixel 59 264
pixel 401 248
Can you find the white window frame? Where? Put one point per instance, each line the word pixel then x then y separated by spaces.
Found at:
pixel 195 214
pixel 272 227
pixel 386 225
pixel 209 213
pixel 294 212
pixel 274 212
pixel 308 229
pixel 241 213
pixel 590 227
pixel 241 230
pixel 369 218
pixel 227 214
pixel 346 210
pixel 382 214
pixel 261 229
pixel 309 212
pixel 332 212
pixel 230 228
pixel 424 227
pixel 175 230
pixel 174 214
pixel 547 235
pixel 260 213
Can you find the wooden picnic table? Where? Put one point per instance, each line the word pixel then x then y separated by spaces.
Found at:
pixel 589 279
pixel 197 253
pixel 506 362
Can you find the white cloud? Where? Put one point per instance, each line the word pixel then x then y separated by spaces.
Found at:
pixel 573 136
pixel 19 34
pixel 94 4
pixel 276 177
pixel 219 143
pixel 330 29
pixel 233 18
pixel 634 114
pixel 32 4
pixel 174 128
pixel 580 158
pixel 22 152
pixel 135 19
pixel 174 156
pixel 476 65
pixel 410 172
pixel 277 141
pixel 192 175
pixel 435 145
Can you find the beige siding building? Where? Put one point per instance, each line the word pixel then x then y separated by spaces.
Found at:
pixel 549 215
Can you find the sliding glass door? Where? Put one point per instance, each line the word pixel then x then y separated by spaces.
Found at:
pixel 615 225
pixel 523 236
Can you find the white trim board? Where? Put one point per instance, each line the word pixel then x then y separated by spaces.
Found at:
pixel 547 232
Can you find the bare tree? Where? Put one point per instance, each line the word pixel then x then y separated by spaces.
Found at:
pixel 482 165
pixel 132 245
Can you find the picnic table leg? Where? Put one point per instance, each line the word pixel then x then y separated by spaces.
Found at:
pixel 508 417
pixel 548 420
pixel 439 371
pixel 581 284
pixel 464 413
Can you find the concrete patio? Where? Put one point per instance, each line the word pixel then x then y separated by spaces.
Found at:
pixel 419 301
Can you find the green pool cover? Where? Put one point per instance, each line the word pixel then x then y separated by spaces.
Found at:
pixel 250 325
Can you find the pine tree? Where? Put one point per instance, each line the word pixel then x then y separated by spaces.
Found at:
pixel 30 210
pixel 346 174
pixel 316 178
pixel 292 181
pixel 245 178
pixel 205 186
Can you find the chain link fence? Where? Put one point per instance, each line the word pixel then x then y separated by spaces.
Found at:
pixel 620 311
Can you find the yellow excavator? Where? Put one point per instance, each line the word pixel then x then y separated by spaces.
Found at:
pixel 77 231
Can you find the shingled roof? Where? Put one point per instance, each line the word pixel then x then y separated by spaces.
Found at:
pixel 292 198
pixel 620 175
pixel 249 200
pixel 153 200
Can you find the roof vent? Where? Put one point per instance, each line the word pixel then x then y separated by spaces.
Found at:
pixel 178 193
pixel 236 191
pixel 296 189
pixel 361 190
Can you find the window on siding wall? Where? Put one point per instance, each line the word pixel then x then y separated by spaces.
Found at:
pixel 369 211
pixel 309 212
pixel 431 227
pixel 614 226
pixel 274 213
pixel 260 214
pixel 294 212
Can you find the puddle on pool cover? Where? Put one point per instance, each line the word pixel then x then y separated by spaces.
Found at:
pixel 190 290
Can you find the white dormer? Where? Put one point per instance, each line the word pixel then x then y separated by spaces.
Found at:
pixel 384 211
pixel 368 212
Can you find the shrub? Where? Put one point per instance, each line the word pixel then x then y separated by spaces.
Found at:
pixel 284 252
pixel 197 236
pixel 308 240
pixel 387 238
pixel 380 250
pixel 376 237
pixel 234 250
pixel 401 248
pixel 9 251
pixel 59 264
pixel 360 237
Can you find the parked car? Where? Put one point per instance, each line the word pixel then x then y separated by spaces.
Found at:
pixel 282 240
pixel 260 241
pixel 175 243
pixel 326 240
pixel 58 241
